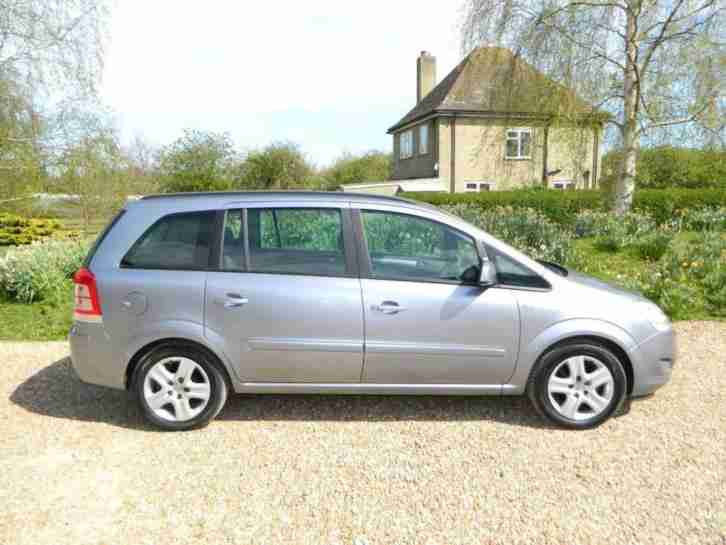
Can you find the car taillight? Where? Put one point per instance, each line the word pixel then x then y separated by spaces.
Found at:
pixel 87 303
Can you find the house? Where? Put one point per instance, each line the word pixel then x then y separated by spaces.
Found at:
pixel 494 123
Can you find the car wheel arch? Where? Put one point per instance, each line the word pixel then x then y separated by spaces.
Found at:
pixel 153 345
pixel 608 343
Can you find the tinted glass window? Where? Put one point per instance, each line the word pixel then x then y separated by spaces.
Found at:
pixel 178 241
pixel 233 242
pixel 413 248
pixel 512 273
pixel 296 241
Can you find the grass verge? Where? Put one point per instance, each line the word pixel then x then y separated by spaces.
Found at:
pixel 46 321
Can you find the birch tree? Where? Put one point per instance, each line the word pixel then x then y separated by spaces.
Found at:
pixel 657 67
pixel 51 56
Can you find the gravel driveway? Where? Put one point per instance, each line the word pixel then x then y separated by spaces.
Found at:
pixel 78 465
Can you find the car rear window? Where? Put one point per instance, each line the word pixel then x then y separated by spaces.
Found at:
pixel 97 243
pixel 175 242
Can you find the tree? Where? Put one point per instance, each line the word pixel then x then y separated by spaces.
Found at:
pixel 654 65
pixel 51 56
pixel 53 45
pixel 281 165
pixel 197 161
pixel 94 171
pixel 20 157
pixel 373 166
pixel 143 166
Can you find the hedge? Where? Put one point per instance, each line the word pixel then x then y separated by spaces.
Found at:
pixel 563 206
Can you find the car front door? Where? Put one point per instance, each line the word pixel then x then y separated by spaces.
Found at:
pixel 286 301
pixel 424 325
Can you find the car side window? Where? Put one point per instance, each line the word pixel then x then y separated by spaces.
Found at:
pixel 405 247
pixel 175 242
pixel 513 273
pixel 296 241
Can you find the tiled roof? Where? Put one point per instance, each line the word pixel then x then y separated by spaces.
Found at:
pixel 493 80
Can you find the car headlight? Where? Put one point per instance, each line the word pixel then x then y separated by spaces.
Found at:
pixel 653 313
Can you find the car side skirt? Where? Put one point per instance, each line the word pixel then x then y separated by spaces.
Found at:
pixel 374 389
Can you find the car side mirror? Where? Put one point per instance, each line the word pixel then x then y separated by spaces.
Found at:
pixel 487 274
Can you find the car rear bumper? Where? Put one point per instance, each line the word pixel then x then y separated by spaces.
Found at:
pixel 92 356
pixel 653 362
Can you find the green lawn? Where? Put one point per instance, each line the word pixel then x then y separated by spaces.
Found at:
pixel 608 266
pixel 37 322
pixel 612 266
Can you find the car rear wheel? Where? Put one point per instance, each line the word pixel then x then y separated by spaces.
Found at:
pixel 578 385
pixel 179 387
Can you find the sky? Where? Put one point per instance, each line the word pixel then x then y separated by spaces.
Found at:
pixel 330 75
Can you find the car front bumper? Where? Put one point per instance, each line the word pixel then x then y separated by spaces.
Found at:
pixel 653 361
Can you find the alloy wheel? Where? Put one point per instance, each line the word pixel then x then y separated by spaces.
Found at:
pixel 177 389
pixel 581 387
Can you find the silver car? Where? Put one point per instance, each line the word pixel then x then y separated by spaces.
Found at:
pixel 185 298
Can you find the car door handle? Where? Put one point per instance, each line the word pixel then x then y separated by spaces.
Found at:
pixel 388 307
pixel 232 300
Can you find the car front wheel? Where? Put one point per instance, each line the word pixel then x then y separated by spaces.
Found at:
pixel 578 385
pixel 179 387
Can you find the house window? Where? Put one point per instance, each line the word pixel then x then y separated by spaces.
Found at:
pixel 406 145
pixel 562 184
pixel 423 139
pixel 519 144
pixel 477 186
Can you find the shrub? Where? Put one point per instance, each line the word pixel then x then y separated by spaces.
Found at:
pixel 702 219
pixel 41 270
pixel 632 225
pixel 688 276
pixel 714 284
pixel 653 246
pixel 611 232
pixel 666 204
pixel 16 230
pixel 613 237
pixel 667 167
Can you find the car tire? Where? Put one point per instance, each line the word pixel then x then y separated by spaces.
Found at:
pixel 180 387
pixel 577 385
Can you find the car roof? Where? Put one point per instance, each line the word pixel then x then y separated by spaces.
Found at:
pixel 272 196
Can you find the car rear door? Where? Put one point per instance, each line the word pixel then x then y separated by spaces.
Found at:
pixel 285 301
pixel 423 324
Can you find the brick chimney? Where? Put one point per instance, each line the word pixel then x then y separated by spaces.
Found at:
pixel 425 75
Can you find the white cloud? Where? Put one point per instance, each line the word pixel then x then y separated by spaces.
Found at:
pixel 198 61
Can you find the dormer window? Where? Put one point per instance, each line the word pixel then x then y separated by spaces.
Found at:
pixel 519 144
pixel 406 145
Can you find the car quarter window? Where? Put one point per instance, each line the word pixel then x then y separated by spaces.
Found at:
pixel 406 247
pixel 513 273
pixel 296 241
pixel 177 242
